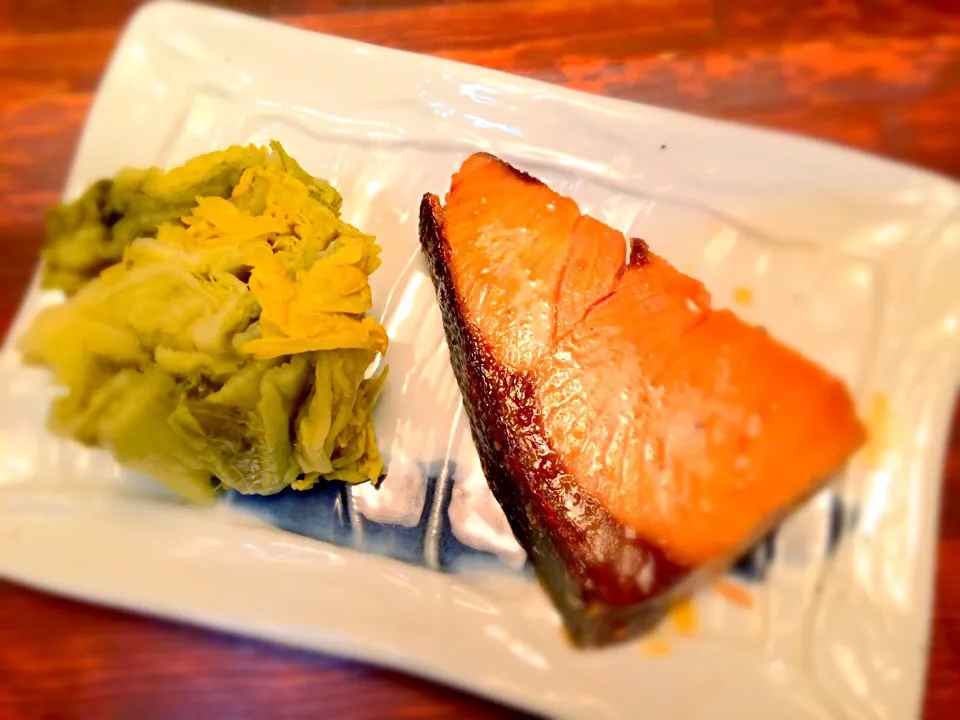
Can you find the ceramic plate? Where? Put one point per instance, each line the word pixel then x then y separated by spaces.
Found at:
pixel 851 259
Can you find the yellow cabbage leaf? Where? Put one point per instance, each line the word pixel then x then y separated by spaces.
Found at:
pixel 216 331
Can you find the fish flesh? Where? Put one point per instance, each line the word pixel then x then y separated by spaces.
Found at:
pixel 636 438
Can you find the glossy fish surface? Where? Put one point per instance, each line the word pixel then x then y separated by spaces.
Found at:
pixel 636 438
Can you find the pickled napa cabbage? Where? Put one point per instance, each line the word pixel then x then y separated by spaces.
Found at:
pixel 216 330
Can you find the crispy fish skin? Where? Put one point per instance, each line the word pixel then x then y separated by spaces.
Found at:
pixel 584 558
pixel 609 559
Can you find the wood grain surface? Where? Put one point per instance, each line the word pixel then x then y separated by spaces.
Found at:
pixel 881 75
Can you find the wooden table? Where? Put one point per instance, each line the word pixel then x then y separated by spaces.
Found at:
pixel 883 75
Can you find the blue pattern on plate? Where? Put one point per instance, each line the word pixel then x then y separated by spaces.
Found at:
pixel 325 513
pixel 318 513
pixel 754 565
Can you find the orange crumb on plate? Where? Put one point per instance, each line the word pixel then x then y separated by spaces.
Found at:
pixel 877 422
pixel 743 296
pixel 683 615
pixel 737 594
pixel 655 647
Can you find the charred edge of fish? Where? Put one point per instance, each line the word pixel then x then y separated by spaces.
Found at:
pixel 639 253
pixel 599 604
pixel 519 174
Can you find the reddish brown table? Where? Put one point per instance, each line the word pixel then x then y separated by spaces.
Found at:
pixel 883 75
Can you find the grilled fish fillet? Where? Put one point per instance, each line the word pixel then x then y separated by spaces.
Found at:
pixel 636 438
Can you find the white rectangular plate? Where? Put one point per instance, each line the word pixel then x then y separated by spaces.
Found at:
pixel 851 259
